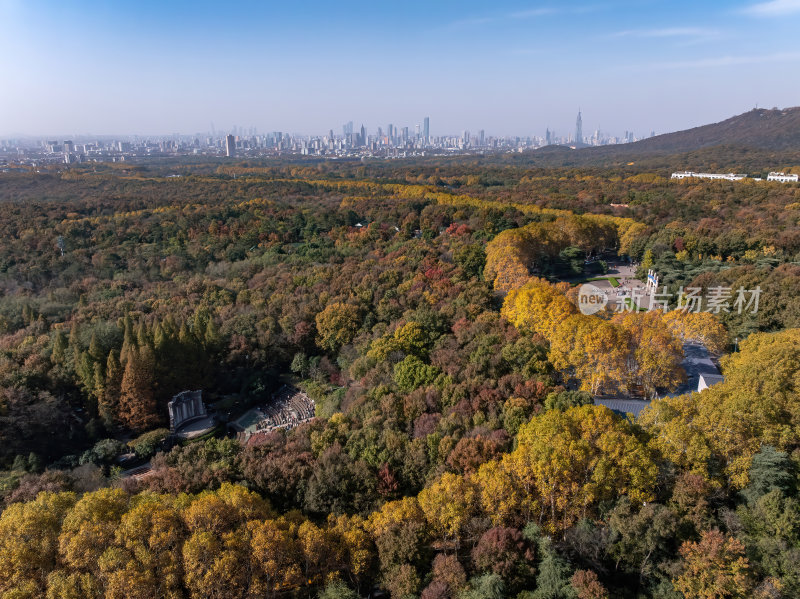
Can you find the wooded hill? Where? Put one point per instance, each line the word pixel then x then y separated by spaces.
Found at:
pixel 753 140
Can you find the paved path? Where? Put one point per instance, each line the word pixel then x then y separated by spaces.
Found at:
pixel 626 275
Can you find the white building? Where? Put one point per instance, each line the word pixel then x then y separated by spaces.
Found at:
pixel 726 177
pixel 707 380
pixel 783 178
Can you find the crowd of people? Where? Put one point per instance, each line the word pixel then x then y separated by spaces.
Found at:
pixel 288 408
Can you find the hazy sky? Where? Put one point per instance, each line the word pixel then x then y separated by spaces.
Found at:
pixel 121 66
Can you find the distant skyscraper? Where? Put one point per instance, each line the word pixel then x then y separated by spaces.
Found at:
pixel 547 136
pixel 363 136
pixel 426 130
pixel 481 138
pixel 579 130
pixel 230 146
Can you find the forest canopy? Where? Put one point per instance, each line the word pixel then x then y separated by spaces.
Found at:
pixel 429 312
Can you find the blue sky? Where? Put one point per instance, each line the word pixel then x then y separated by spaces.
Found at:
pixel 75 67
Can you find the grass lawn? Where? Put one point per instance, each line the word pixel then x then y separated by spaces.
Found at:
pixel 629 304
pixel 612 280
pixel 205 436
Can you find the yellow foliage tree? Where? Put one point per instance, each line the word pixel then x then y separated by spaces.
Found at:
pixel 631 233
pixel 145 559
pixel 277 555
pixel 90 527
pixel 758 403
pixel 337 324
pixel 714 568
pixel 507 493
pixel 355 546
pixel 698 327
pixel 29 541
pixel 654 354
pixel 392 512
pixel 449 504
pixel 539 307
pixel 216 566
pixel 593 350
pixel 580 457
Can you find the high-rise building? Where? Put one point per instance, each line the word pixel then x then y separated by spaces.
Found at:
pixel 579 130
pixel 230 145
pixel 481 138
pixel 363 136
pixel 426 130
pixel 547 136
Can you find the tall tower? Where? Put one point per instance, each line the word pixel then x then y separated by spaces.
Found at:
pixel 579 130
pixel 230 145
pixel 426 130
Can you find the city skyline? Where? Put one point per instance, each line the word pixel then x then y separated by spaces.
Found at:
pixel 420 128
pixel 397 142
pixel 514 68
pixel 394 142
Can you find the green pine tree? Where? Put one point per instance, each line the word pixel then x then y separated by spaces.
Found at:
pixel 137 405
pixel 60 346
pixel 553 581
pixel 108 400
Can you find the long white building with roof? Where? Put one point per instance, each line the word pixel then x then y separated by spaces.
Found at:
pixel 721 176
pixel 782 177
